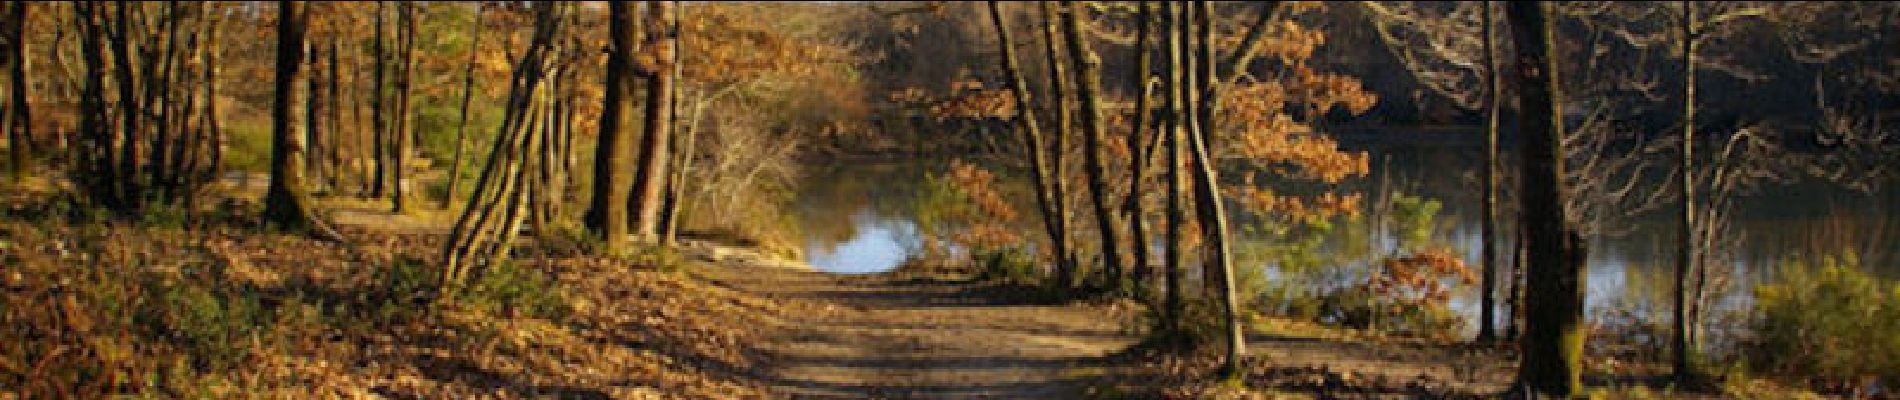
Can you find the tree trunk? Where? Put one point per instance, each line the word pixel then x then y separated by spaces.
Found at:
pixel 649 182
pixel 1088 85
pixel 1137 216
pixel 1487 304
pixel 313 120
pixel 379 118
pixel 1685 368
pixel 683 160
pixel 461 124
pixel 285 205
pixel 1059 102
pixel 18 116
pixel 1207 182
pixel 1175 257
pixel 1032 132
pixel 404 134
pixel 1553 325
pixel 607 213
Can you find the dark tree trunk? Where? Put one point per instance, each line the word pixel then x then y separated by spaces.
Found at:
pixel 1174 305
pixel 404 133
pixel 1032 132
pixel 18 117
pixel 286 205
pixel 1059 103
pixel 1553 328
pixel 1488 252
pixel 1088 86
pixel 378 112
pixel 1137 216
pixel 613 156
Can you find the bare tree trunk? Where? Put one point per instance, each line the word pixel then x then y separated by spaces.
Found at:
pixel 1142 269
pixel 1174 305
pixel 286 205
pixel 670 218
pixel 461 124
pixel 1059 102
pixel 649 181
pixel 1207 183
pixel 1032 132
pixel 313 119
pixel 1488 252
pixel 1088 84
pixel 607 213
pixel 404 134
pixel 379 118
pixel 18 116
pixel 1553 338
pixel 1685 368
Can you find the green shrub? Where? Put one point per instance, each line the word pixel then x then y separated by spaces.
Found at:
pixel 1832 322
pixel 1010 265
pixel 510 289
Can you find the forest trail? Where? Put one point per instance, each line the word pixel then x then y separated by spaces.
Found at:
pixel 892 336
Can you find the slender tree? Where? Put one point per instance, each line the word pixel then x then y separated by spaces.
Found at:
pixel 286 205
pixel 1032 133
pixel 468 93
pixel 1175 252
pixel 1088 87
pixel 1064 122
pixel 1553 339
pixel 1488 252
pixel 1212 212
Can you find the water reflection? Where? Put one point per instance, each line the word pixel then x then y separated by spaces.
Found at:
pixel 858 218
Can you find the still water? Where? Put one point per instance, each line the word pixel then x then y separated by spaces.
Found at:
pixel 859 217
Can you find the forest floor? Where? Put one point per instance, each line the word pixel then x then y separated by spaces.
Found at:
pixel 723 322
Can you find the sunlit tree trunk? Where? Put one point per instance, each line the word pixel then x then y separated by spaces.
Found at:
pixel 461 124
pixel 683 160
pixel 285 205
pixel 1488 253
pixel 1685 368
pixel 1059 103
pixel 613 156
pixel 487 225
pixel 1213 216
pixel 649 181
pixel 1032 132
pixel 1552 345
pixel 1088 87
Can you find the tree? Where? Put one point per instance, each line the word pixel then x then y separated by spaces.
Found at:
pixel 1088 86
pixel 1212 212
pixel 468 93
pixel 655 64
pixel 606 213
pixel 285 204
pixel 1032 134
pixel 1061 129
pixel 403 134
pixel 487 226
pixel 1553 339
pixel 15 117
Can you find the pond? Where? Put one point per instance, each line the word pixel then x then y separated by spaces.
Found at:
pixel 858 217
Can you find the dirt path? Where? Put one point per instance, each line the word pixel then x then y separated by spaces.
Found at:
pixel 897 337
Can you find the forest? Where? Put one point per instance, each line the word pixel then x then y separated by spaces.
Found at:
pixel 930 199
